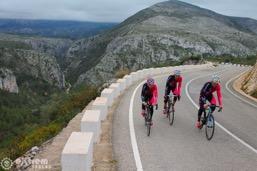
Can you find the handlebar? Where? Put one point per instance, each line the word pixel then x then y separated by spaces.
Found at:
pixel 172 95
pixel 146 104
pixel 211 105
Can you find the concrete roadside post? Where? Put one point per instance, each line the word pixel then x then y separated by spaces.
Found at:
pixel 117 88
pixel 91 122
pixel 122 84
pixel 128 80
pixel 77 154
pixel 109 94
pixel 100 103
pixel 134 77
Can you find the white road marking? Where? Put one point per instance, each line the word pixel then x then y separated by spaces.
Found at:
pixel 236 94
pixel 132 128
pixel 222 127
pixel 132 132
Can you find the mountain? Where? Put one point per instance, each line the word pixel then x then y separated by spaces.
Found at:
pixel 249 84
pixel 31 61
pixel 53 28
pixel 161 34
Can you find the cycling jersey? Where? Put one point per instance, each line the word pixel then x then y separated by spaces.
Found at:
pixel 173 84
pixel 207 93
pixel 149 95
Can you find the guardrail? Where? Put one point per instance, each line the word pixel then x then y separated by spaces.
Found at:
pixel 78 150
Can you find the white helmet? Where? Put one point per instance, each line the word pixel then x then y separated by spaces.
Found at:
pixel 150 81
pixel 215 78
pixel 177 72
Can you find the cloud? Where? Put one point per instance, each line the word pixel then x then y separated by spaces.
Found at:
pixel 109 10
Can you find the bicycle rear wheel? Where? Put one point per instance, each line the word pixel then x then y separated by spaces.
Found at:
pixel 210 127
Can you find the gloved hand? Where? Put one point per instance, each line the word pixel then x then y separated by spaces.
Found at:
pixel 179 97
pixel 156 107
pixel 144 103
pixel 220 109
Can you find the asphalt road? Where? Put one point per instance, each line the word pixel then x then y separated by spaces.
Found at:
pixel 182 146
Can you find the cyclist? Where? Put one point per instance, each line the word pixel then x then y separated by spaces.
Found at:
pixel 174 83
pixel 149 95
pixel 207 94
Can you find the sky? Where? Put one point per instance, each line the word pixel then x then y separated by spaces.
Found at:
pixel 110 10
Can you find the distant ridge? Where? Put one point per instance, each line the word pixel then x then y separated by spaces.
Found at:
pixel 53 28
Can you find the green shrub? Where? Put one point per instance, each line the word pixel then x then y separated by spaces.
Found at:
pixel 122 72
pixel 20 129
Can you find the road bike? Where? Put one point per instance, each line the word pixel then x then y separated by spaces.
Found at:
pixel 209 122
pixel 171 110
pixel 148 121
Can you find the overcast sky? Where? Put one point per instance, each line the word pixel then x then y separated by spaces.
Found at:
pixel 110 10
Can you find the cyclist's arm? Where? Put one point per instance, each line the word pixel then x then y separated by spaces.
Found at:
pixel 219 94
pixel 155 94
pixel 143 95
pixel 179 86
pixel 168 87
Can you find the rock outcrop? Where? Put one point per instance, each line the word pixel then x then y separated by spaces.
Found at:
pixel 8 81
pixel 38 65
pixel 249 84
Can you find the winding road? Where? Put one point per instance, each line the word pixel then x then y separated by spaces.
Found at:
pixel 182 146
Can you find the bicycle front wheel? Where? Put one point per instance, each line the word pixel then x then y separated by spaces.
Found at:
pixel 210 127
pixel 171 117
pixel 148 129
pixel 148 122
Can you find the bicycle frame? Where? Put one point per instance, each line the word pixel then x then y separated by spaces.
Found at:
pixel 170 113
pixel 171 98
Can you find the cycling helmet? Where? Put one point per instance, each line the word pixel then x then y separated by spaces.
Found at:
pixel 215 79
pixel 177 72
pixel 150 81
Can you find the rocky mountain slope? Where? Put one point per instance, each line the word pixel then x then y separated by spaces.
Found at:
pixel 249 84
pixel 25 59
pixel 53 47
pixel 163 33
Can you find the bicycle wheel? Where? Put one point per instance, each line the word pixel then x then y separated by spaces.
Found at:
pixel 168 111
pixel 148 122
pixel 210 127
pixel 148 129
pixel 171 117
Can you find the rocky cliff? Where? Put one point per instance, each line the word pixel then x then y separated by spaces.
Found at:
pixel 8 81
pixel 163 33
pixel 249 84
pixel 29 63
pixel 56 48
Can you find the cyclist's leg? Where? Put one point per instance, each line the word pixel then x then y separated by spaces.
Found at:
pixel 151 111
pixel 143 110
pixel 201 107
pixel 175 97
pixel 167 92
pixel 212 101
